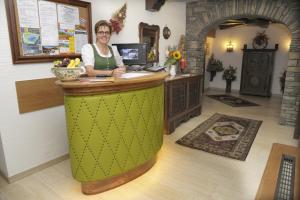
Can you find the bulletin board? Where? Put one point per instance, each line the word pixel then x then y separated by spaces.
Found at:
pixel 46 30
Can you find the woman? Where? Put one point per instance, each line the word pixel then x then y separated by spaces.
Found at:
pixel 99 58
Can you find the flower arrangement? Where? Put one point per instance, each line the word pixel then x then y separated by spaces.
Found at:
pixel 176 55
pixel 260 41
pixel 173 57
pixel 118 18
pixel 214 66
pixel 229 73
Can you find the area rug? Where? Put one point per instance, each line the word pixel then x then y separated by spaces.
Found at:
pixel 223 135
pixel 232 100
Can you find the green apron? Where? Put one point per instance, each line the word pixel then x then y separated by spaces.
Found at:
pixel 104 63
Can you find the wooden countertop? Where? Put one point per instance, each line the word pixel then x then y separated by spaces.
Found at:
pixel 81 87
pixel 181 76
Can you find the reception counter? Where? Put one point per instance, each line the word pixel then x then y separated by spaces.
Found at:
pixel 115 129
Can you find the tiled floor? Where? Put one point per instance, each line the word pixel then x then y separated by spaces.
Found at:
pixel 181 173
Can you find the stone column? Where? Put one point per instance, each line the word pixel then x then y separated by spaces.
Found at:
pixel 291 94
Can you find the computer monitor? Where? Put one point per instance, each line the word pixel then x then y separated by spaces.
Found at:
pixel 133 53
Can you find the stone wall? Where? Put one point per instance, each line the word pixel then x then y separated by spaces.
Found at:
pixel 203 15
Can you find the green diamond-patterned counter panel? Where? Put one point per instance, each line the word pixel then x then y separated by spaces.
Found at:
pixel 110 134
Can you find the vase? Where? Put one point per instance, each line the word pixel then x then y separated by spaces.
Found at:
pixel 182 65
pixel 228 86
pixel 167 69
pixel 173 70
pixel 212 75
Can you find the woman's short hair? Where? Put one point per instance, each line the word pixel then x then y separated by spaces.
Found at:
pixel 103 23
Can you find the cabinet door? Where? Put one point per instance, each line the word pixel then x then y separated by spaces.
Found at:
pixel 178 96
pixel 194 88
pixel 257 73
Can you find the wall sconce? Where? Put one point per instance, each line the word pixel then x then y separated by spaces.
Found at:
pixel 229 47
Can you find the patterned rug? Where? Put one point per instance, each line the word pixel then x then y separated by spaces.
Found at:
pixel 232 101
pixel 223 135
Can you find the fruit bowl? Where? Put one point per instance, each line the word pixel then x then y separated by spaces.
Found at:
pixel 68 74
pixel 67 69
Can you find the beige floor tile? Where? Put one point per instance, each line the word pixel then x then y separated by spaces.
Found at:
pixel 180 172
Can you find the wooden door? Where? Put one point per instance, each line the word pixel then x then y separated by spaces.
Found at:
pixel 257 72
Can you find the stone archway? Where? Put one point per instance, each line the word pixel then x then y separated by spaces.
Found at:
pixel 202 15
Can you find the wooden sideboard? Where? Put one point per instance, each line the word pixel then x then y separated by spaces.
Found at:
pixel 182 100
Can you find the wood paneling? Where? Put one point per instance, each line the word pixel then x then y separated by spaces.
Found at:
pixel 38 94
pixel 182 100
pixel 268 182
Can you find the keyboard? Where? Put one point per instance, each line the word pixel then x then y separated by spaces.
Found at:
pixel 155 68
pixel 135 67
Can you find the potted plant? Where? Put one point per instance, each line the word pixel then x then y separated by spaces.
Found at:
pixel 229 76
pixel 282 81
pixel 214 66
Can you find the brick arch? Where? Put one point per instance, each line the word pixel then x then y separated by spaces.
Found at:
pixel 202 15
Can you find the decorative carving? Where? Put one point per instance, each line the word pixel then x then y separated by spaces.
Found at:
pixel 182 100
pixel 118 18
pixel 257 71
pixel 260 41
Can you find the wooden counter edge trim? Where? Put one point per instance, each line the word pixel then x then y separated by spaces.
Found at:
pixel 120 85
pixel 95 187
pixel 110 89
pixel 267 186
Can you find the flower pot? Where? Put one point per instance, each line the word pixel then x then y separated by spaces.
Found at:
pixel 212 75
pixel 228 86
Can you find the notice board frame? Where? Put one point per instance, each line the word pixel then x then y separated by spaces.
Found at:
pixel 15 36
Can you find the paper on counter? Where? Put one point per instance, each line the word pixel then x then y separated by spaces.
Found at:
pixel 97 79
pixel 135 74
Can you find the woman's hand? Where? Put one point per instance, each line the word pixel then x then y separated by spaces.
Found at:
pixel 119 71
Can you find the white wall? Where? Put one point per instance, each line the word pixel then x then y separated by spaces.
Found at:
pixel 34 138
pixel 277 33
pixel 2 159
pixel 172 14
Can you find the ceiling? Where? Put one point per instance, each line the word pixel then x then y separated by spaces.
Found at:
pixel 261 22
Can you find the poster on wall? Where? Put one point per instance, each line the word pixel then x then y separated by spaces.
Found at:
pixel 68 16
pixel 66 40
pixel 31 41
pixel 81 38
pixel 50 50
pixel 28 13
pixel 49 29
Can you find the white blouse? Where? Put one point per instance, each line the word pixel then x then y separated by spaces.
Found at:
pixel 87 54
